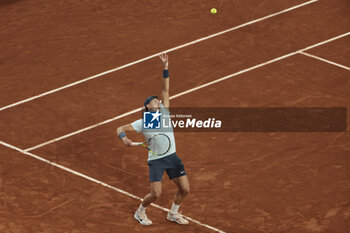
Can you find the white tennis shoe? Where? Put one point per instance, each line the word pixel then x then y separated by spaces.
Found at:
pixel 175 217
pixel 141 216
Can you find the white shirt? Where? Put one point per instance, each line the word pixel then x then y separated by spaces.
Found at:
pixel 138 126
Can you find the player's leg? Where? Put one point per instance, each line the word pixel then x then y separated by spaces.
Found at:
pixel 156 173
pixel 178 175
pixel 183 188
pixel 156 190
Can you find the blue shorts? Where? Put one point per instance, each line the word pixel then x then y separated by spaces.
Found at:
pixel 171 164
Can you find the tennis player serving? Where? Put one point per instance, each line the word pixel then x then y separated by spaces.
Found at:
pixel 161 154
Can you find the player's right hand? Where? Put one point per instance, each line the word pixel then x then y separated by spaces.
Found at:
pixel 127 141
pixel 165 59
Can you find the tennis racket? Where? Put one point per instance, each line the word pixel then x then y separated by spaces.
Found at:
pixel 158 144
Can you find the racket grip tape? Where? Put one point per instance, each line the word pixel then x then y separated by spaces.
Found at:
pixel 136 143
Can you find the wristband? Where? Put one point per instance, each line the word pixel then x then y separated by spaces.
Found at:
pixel 165 73
pixel 121 135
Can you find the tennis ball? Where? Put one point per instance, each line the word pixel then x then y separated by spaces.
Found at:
pixel 213 11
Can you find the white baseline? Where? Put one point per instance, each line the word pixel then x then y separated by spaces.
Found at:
pixel 154 55
pixel 101 183
pixel 189 91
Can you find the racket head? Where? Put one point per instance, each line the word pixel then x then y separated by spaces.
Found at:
pixel 159 144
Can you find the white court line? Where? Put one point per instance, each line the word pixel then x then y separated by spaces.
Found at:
pixel 325 60
pixel 85 129
pixel 155 55
pixel 189 91
pixel 101 183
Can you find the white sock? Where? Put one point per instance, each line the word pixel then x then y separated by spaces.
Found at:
pixel 174 208
pixel 141 208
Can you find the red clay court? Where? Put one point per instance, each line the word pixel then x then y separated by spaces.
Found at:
pixel 73 71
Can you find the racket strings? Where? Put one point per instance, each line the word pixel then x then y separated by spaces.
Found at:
pixel 159 144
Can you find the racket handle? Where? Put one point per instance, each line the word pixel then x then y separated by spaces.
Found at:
pixel 136 143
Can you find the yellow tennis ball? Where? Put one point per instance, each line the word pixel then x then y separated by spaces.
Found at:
pixel 213 11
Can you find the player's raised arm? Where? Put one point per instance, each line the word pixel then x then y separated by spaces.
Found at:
pixel 165 82
pixel 121 133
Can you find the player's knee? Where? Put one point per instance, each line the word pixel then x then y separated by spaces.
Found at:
pixel 185 190
pixel 156 194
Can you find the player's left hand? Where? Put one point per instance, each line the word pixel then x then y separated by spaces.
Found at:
pixel 165 59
